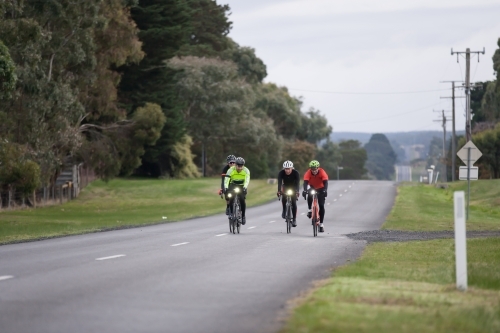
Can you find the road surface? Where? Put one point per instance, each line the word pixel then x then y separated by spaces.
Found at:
pixel 190 276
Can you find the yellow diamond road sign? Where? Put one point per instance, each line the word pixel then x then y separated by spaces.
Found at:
pixel 475 154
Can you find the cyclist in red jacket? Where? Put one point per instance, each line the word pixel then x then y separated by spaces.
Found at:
pixel 317 179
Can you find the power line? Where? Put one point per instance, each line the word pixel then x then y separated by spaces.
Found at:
pixel 367 93
pixel 391 116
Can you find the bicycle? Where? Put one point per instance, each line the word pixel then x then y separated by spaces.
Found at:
pixel 315 219
pixel 288 210
pixel 235 218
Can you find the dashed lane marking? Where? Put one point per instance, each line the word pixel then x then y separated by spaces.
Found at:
pixel 6 277
pixel 272 221
pixel 252 227
pixel 111 257
pixel 334 199
pixel 179 244
pixel 219 235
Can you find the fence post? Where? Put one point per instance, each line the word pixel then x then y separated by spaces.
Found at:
pixel 34 198
pixel 61 194
pixel 9 197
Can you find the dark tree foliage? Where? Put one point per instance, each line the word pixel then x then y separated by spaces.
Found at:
pixel 169 28
pixel 381 157
pixel 353 160
pixel 476 98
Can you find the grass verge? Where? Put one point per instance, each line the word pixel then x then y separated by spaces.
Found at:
pixel 122 203
pixel 410 286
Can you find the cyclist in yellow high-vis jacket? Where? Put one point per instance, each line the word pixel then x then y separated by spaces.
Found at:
pixel 238 175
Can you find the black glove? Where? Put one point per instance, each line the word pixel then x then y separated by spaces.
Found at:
pixel 326 193
pixel 304 193
pixel 244 190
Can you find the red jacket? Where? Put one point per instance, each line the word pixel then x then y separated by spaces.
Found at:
pixel 316 181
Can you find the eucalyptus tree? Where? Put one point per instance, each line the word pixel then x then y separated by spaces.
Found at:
pixel 220 113
pixel 8 76
pixel 354 158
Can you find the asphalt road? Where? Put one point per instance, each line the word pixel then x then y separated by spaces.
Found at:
pixel 190 276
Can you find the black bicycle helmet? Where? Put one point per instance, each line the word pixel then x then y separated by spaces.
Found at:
pixel 240 161
pixel 231 158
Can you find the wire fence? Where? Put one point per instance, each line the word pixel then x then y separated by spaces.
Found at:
pixel 67 187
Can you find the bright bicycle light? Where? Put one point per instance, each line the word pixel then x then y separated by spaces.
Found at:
pixel 289 192
pixel 229 195
pixel 313 192
pixel 237 190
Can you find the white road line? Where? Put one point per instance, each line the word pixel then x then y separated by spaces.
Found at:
pixel 111 257
pixel 328 204
pixel 5 277
pixel 349 186
pixel 219 235
pixel 345 191
pixel 272 221
pixel 252 227
pixel 334 199
pixel 180 244
pixel 303 214
pixel 340 195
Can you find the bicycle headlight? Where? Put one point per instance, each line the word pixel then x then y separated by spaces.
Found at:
pixel 229 195
pixel 289 192
pixel 313 192
pixel 237 190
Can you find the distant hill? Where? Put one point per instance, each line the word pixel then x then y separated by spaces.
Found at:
pixel 414 144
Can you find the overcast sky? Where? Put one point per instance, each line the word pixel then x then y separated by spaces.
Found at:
pixel 342 56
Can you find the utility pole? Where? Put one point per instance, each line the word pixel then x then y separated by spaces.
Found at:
pixel 453 136
pixel 467 52
pixel 443 120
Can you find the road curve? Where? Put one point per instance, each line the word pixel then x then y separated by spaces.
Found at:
pixel 189 276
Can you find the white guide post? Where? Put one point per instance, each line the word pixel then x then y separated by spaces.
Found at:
pixel 460 240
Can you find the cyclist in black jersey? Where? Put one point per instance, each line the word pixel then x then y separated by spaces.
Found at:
pixel 289 179
pixel 231 161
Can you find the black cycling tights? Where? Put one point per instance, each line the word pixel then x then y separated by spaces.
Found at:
pixel 321 204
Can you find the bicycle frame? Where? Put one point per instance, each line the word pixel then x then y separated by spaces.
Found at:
pixel 288 210
pixel 315 219
pixel 235 220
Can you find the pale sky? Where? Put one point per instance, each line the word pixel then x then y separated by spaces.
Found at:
pixel 334 52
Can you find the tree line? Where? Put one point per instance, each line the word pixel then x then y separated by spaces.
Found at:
pixel 150 87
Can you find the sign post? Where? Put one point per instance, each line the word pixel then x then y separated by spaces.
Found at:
pixel 339 168
pixel 460 241
pixel 469 154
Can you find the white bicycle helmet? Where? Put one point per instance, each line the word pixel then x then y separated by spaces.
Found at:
pixel 287 164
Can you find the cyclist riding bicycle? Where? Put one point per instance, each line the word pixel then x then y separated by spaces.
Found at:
pixel 237 176
pixel 317 179
pixel 289 179
pixel 231 161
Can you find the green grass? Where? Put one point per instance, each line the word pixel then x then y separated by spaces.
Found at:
pixel 425 207
pixel 121 203
pixel 410 286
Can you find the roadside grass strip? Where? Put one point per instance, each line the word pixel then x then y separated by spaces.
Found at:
pixel 406 287
pixel 364 305
pixel 123 203
pixel 410 286
pixel 427 208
